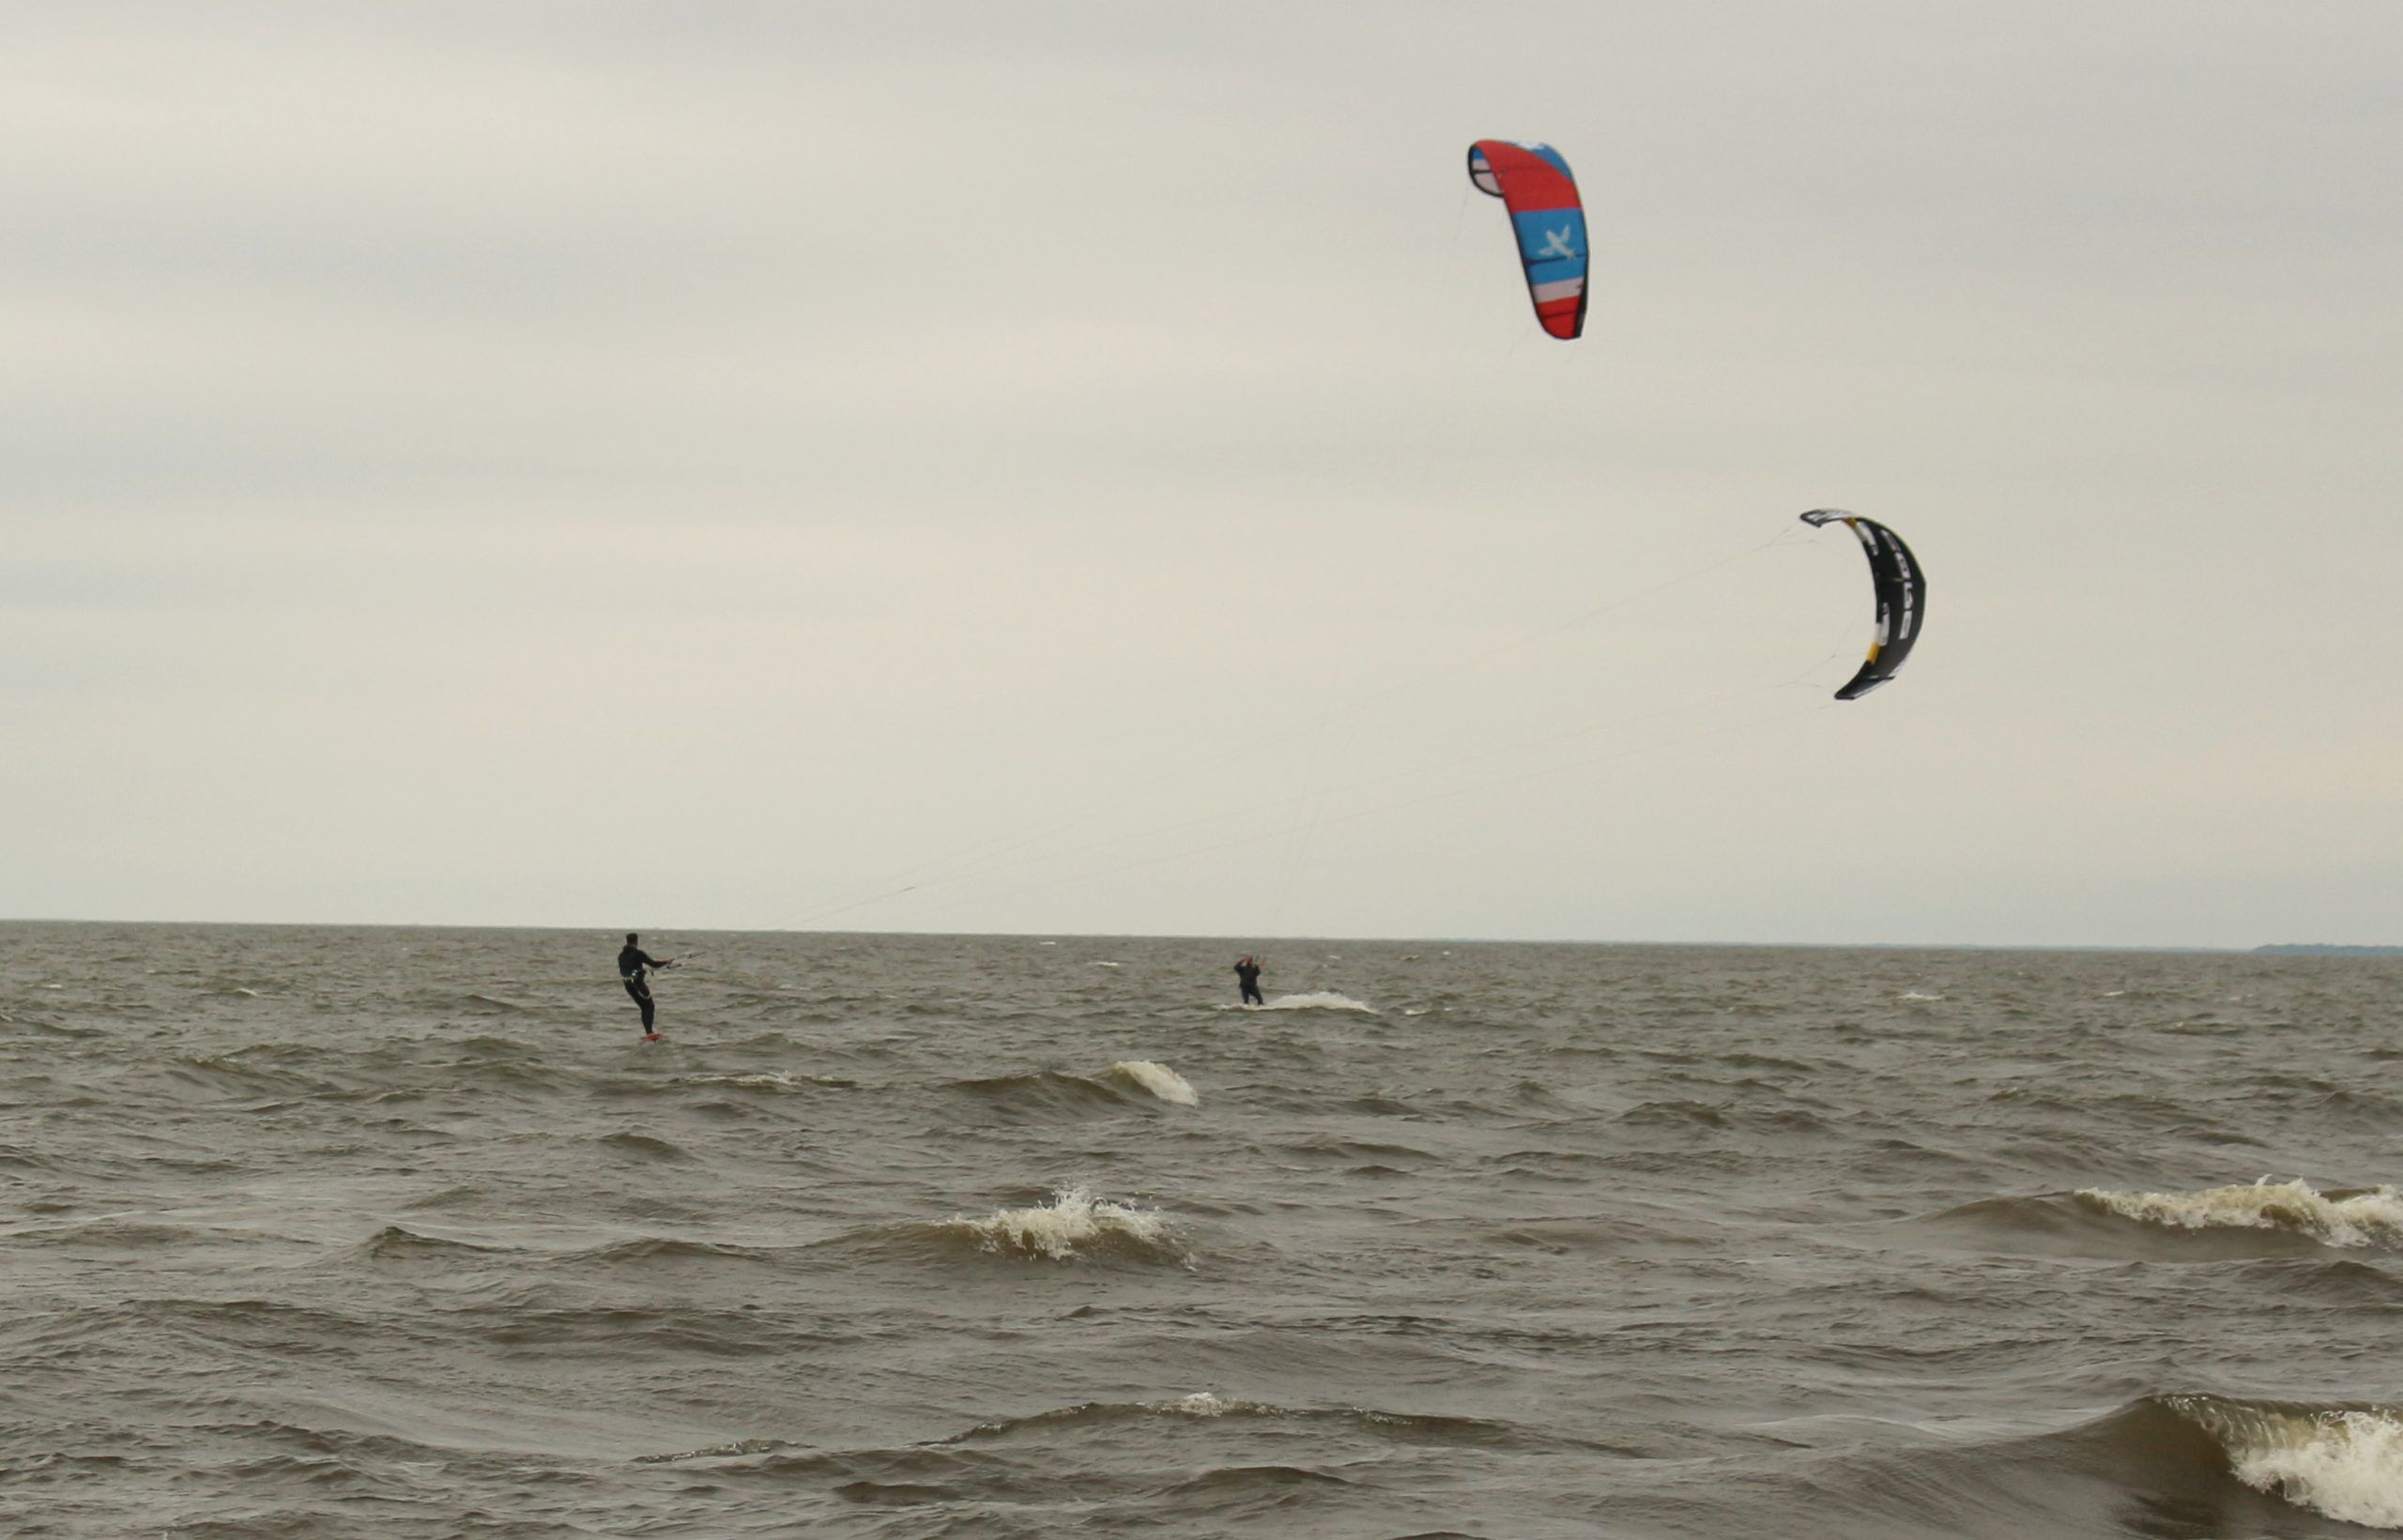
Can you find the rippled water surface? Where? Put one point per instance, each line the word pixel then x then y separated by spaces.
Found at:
pixel 402 1233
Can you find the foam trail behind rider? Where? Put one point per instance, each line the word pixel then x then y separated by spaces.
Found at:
pixel 635 966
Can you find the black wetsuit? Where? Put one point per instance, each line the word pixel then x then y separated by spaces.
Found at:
pixel 1249 974
pixel 633 967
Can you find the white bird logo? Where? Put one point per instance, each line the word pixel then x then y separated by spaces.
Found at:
pixel 1556 243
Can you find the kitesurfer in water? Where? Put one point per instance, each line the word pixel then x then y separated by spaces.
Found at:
pixel 635 966
pixel 1247 974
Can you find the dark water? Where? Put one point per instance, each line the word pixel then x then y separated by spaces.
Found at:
pixel 374 1232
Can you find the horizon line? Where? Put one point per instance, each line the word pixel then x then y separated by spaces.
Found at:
pixel 1251 938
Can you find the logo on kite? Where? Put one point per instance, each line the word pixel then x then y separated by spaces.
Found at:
pixel 1536 187
pixel 1901 598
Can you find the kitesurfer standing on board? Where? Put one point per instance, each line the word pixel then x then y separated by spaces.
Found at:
pixel 1247 974
pixel 633 970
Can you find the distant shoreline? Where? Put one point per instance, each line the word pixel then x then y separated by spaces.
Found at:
pixel 2315 948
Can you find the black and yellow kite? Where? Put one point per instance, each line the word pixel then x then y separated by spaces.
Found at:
pixel 1901 598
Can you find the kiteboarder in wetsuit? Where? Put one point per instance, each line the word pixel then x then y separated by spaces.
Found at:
pixel 1247 974
pixel 633 970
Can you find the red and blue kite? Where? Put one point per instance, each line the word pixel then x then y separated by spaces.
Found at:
pixel 1535 185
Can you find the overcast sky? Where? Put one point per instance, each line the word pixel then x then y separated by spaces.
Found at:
pixel 1094 467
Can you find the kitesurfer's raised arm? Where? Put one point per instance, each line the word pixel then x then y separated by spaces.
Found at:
pixel 1247 974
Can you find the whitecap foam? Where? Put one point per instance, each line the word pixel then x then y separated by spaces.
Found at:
pixel 1158 1079
pixel 1201 1403
pixel 1914 995
pixel 760 1081
pixel 2372 1218
pixel 2346 1464
pixel 1073 1218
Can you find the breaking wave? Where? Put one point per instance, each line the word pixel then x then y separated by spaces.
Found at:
pixel 2343 1461
pixel 2195 1465
pixel 1075 1223
pixel 1158 1079
pixel 2370 1217
pixel 2267 1219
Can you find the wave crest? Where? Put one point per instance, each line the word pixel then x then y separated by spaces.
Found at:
pixel 1039 1096
pixel 668 1248
pixel 1400 1427
pixel 2372 1217
pixel 1074 1223
pixel 1158 1079
pixel 760 1080
pixel 394 1244
pixel 2345 1462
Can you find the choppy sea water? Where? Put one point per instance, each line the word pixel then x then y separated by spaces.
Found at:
pixel 401 1232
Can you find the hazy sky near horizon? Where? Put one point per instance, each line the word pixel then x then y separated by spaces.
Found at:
pixel 1092 466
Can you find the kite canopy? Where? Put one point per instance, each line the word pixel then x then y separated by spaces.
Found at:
pixel 1901 598
pixel 1536 187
